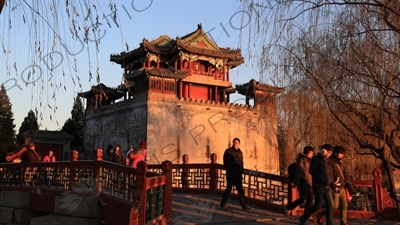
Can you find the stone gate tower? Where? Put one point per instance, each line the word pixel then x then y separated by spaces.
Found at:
pixel 176 97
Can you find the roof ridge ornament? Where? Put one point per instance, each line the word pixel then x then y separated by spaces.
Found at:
pixel 199 26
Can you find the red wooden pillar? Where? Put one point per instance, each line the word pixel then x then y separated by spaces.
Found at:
pixel 167 172
pixel 180 89
pixel 213 172
pixel 378 190
pixel 148 62
pixel 189 89
pixel 180 62
pixel 190 67
pixel 223 71
pixel 216 94
pixel 185 171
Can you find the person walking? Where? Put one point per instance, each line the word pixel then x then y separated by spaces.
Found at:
pixel 339 192
pixel 321 185
pixel 233 162
pixel 303 181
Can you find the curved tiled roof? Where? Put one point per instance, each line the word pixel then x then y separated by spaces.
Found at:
pixel 235 62
pixel 160 47
pixel 111 93
pixel 127 56
pixel 221 52
pixel 165 45
pixel 158 72
pixel 252 86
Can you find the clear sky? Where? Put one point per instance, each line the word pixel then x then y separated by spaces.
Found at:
pixel 51 92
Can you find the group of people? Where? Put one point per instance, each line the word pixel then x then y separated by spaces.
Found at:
pixel 321 178
pixel 318 178
pixel 30 155
pixel 132 157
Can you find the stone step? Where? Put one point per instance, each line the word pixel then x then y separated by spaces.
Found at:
pixel 10 215
pixel 58 219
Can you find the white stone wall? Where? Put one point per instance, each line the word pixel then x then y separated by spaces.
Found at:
pixel 199 129
pixel 177 127
pixel 123 124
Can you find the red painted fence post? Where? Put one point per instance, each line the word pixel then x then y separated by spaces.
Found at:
pixel 378 190
pixel 167 172
pixel 72 170
pixel 293 194
pixel 138 211
pixel 98 170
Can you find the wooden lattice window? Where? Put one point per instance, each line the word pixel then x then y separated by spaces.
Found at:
pixel 169 86
pixel 155 85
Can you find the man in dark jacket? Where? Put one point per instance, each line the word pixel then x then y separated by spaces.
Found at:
pixel 30 154
pixel 302 180
pixel 321 184
pixel 233 162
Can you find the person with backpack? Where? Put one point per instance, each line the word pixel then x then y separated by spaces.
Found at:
pixel 301 177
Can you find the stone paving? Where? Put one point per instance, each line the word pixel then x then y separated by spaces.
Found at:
pixel 190 209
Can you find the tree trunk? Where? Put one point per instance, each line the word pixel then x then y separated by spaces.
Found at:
pixel 389 173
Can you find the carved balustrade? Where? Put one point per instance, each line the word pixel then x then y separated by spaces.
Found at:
pixel 127 195
pixel 147 191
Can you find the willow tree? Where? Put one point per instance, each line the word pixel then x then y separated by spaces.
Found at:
pixel 57 32
pixel 348 51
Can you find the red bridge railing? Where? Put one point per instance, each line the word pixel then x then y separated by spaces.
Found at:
pixel 144 195
pixel 126 195
pixel 273 191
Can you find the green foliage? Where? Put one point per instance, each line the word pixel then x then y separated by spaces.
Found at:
pixel 76 123
pixel 30 123
pixel 7 126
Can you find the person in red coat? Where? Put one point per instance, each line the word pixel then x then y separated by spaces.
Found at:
pixel 139 155
pixel 50 157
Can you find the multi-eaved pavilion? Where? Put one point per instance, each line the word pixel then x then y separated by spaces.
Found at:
pixel 176 97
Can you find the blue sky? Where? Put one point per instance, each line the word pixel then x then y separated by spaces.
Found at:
pixel 52 93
